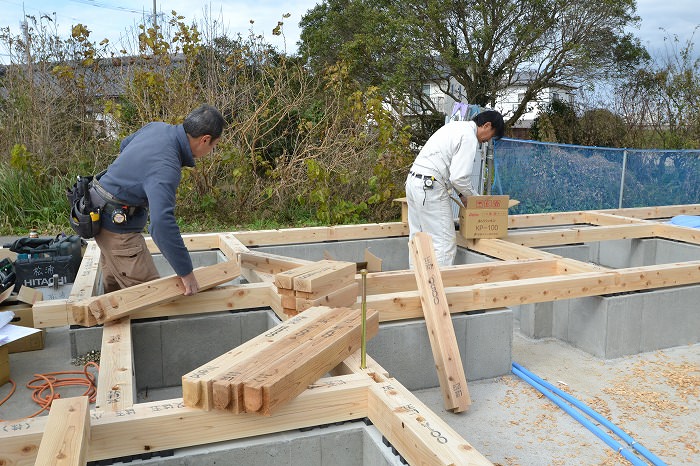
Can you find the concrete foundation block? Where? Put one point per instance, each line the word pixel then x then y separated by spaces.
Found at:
pixel 147 346
pixel 191 342
pixel 484 340
pixel 623 329
pixel 348 444
pixel 630 323
pixel 670 318
pixel 84 339
pixel 536 320
pixel 488 344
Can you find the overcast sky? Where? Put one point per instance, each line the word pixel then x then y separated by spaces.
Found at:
pixel 111 18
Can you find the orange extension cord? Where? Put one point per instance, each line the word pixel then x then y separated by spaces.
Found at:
pixel 51 382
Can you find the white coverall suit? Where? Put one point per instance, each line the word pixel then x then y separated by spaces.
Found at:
pixel 446 161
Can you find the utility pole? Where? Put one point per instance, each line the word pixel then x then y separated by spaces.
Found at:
pixel 155 17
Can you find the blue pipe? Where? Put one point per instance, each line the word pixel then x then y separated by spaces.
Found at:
pixel 597 431
pixel 655 460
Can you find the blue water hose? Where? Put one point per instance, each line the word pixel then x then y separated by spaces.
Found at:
pixel 655 460
pixel 597 431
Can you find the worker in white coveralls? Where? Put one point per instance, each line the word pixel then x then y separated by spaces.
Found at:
pixel 446 161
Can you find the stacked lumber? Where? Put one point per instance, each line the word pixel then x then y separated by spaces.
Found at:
pixel 322 283
pixel 264 373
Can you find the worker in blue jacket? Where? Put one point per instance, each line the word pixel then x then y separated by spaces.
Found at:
pixel 141 182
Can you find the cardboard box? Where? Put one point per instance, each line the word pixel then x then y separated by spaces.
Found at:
pixel 24 317
pixel 4 365
pixel 484 217
pixel 31 342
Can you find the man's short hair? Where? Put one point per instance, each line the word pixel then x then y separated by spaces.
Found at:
pixel 203 120
pixel 496 120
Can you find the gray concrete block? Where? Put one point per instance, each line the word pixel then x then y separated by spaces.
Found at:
pixel 348 444
pixel 580 252
pixel 148 354
pixel 560 319
pixel 342 448
pixel 536 320
pixel 485 340
pixel 392 251
pixel 84 339
pixel 614 254
pixel 668 251
pixel 623 327
pixel 587 325
pixel 254 323
pixel 190 342
pixel 488 344
pixel 375 453
pixel 403 349
pixel 671 318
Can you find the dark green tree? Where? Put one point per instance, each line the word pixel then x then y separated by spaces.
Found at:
pixel 479 48
pixel 558 119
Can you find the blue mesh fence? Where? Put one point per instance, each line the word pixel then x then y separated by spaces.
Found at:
pixel 548 177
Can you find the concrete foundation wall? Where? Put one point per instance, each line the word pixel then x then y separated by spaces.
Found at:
pixel 485 343
pixel 612 326
pixel 166 349
pixel 347 444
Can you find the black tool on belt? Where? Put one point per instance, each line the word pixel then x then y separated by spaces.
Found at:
pixel 428 180
pixel 115 209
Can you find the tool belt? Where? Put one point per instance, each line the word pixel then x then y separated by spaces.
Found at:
pixel 116 209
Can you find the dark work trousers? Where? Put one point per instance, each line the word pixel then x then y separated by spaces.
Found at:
pixel 125 260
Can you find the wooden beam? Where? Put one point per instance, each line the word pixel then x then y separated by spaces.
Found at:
pixel 52 313
pixel 344 297
pixel 443 342
pixel 419 435
pixel 193 242
pixel 67 433
pixel 169 424
pixel 197 385
pixel 269 263
pixel 547 219
pixel 86 280
pixel 407 305
pixel 319 234
pixel 655 212
pixel 115 387
pixel 462 275
pixel 29 295
pixel 117 304
pixel 353 365
pixel 539 238
pixel 219 299
pixel 505 250
pixel 231 246
pixel 326 276
pixel 277 384
pixel 601 218
pixel 254 360
pixel 679 233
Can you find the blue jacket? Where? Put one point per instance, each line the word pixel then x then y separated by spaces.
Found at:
pixel 147 172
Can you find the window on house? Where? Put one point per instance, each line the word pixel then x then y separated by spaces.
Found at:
pixel 555 96
pixel 426 89
pixel 521 96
